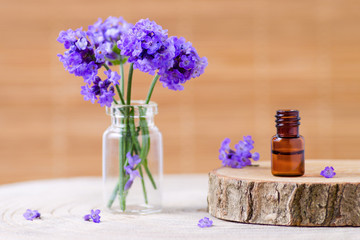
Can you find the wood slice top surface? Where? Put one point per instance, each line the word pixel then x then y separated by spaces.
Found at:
pixel 346 171
pixel 253 195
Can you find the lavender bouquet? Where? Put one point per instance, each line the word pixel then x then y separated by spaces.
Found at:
pixel 146 47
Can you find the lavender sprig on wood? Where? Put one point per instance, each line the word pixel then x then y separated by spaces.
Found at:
pixel 241 156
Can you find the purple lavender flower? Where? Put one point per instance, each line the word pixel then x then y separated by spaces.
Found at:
pixel 87 71
pixel 147 46
pixel 248 140
pixel 93 216
pixel 95 32
pixel 99 90
pixel 104 36
pixel 328 172
pixel 88 94
pixel 79 59
pixel 100 53
pixel 81 43
pixel 90 50
pixel 224 149
pixel 186 64
pixel 31 214
pixel 108 31
pixel 239 158
pixel 255 156
pixel 67 38
pixel 106 97
pixel 205 222
pixel 229 156
pixel 133 160
pixel 246 145
pixel 132 175
pixel 225 145
pixel 243 162
pixel 129 169
pixel 113 76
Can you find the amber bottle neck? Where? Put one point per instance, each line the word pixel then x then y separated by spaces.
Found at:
pixel 287 123
pixel 288 132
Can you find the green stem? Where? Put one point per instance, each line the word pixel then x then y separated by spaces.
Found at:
pixel 120 94
pixel 121 171
pixel 126 143
pixel 117 86
pixel 145 145
pixel 129 141
pixel 106 66
pixel 147 170
pixel 137 150
pixel 143 185
pixel 130 130
pixel 113 196
pixel 122 76
pixel 128 95
pixel 124 148
pixel 151 88
pixel 115 101
pixel 136 143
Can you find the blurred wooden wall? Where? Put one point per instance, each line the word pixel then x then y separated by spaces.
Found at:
pixel 263 55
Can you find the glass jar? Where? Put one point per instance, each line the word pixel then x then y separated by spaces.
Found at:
pixel 132 159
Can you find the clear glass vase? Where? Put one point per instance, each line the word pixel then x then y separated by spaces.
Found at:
pixel 132 159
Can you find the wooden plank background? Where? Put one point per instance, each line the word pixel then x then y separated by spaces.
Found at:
pixel 263 55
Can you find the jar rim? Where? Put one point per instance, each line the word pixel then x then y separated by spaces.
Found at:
pixel 135 103
pixel 115 109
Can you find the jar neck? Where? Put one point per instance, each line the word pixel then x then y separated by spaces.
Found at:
pixel 287 123
pixel 120 122
pixel 134 114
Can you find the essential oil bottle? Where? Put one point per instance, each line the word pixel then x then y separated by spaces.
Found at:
pixel 287 146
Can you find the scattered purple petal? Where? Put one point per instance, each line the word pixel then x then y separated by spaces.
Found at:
pixel 87 217
pixel 328 172
pixel 93 216
pixel 31 214
pixel 205 222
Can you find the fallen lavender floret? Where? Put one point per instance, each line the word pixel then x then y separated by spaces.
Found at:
pixel 205 222
pixel 31 214
pixel 93 216
pixel 328 172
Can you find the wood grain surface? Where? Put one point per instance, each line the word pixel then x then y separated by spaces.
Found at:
pixel 263 55
pixel 254 195
pixel 63 202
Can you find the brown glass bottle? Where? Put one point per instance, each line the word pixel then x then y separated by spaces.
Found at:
pixel 287 146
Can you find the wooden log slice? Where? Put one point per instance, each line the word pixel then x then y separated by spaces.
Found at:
pixel 253 195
